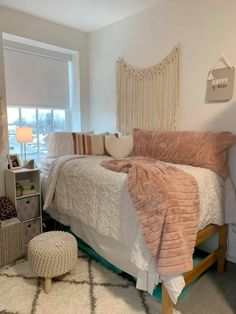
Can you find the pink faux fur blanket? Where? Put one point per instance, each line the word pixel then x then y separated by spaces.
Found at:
pixel 167 205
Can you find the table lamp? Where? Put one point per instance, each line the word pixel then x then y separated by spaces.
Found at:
pixel 24 135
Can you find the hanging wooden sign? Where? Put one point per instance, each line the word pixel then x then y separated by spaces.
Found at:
pixel 220 82
pixel 220 87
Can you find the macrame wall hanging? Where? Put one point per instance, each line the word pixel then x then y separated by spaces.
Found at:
pixel 147 98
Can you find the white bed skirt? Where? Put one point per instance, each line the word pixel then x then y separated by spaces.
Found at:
pixel 119 255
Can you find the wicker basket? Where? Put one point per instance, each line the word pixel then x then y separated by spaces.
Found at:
pixel 12 244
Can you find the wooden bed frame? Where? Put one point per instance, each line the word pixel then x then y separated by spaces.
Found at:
pixel 218 255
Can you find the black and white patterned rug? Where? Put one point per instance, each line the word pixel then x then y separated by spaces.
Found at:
pixel 92 290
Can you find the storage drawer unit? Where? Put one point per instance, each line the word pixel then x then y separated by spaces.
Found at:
pixel 28 208
pixel 28 204
pixel 31 229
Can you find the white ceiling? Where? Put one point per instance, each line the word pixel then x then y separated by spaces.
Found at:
pixel 85 15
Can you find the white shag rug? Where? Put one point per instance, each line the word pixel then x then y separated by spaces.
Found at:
pixel 92 290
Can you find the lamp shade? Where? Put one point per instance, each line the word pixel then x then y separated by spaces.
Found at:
pixel 24 135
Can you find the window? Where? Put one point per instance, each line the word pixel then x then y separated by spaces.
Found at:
pixel 42 122
pixel 38 92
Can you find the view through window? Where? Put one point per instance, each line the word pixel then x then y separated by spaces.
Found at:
pixel 42 121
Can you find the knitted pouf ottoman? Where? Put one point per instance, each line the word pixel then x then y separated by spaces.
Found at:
pixel 52 254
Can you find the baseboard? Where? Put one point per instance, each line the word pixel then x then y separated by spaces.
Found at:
pixel 231 258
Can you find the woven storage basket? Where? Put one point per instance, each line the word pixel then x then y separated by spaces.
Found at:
pixel 12 244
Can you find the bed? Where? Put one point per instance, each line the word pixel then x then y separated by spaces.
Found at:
pixel 109 223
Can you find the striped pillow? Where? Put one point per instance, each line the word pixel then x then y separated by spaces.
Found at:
pixel 89 144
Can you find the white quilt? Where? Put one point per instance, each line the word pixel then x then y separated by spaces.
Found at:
pixel 81 188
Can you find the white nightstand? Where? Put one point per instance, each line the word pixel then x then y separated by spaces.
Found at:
pixel 27 202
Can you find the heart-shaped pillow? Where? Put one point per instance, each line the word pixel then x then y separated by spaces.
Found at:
pixel 119 147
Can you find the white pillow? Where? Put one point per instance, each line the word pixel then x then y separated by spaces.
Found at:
pixel 60 144
pixel 119 147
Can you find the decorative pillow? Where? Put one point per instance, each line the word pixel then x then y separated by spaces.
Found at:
pixel 61 143
pixel 119 147
pixel 89 144
pixel 7 209
pixel 201 149
pixel 69 143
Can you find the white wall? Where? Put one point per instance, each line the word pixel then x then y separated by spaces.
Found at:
pixel 24 25
pixel 205 30
pixel 3 123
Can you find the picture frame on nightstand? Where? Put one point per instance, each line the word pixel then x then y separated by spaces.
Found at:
pixel 14 161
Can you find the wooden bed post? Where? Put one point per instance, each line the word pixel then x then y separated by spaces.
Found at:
pixel 216 256
pixel 222 244
pixel 167 304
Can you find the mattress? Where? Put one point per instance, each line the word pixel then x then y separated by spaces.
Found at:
pixel 109 224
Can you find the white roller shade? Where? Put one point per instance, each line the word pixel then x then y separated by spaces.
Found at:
pixel 35 80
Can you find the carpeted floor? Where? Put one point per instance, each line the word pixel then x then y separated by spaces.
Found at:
pixel 212 293
pixel 96 290
pixel 93 290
